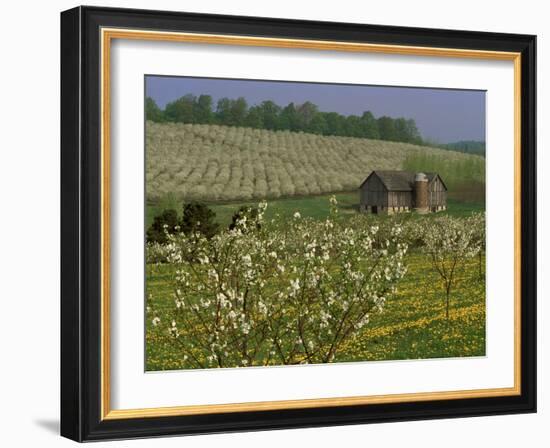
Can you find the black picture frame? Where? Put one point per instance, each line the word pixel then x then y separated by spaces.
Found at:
pixel 81 224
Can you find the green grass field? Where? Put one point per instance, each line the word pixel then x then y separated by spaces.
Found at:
pixel 308 206
pixel 412 325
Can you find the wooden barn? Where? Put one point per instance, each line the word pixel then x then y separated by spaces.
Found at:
pixel 402 191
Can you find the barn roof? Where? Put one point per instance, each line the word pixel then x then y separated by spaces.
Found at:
pixel 396 180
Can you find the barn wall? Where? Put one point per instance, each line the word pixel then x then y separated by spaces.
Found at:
pixel 400 199
pixel 373 192
pixel 437 195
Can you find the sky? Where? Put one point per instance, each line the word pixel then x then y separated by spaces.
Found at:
pixel 441 115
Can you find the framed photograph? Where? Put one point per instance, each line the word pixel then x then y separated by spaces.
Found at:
pixel 272 223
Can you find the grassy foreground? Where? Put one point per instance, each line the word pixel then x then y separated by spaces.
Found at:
pixel 412 326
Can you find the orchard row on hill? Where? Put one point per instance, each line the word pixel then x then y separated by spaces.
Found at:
pixel 227 163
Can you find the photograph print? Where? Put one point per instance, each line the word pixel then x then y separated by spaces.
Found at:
pixel 291 223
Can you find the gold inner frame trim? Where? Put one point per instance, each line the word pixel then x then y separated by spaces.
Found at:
pixel 107 35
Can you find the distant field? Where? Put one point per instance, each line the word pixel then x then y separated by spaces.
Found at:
pixel 225 164
pixel 308 206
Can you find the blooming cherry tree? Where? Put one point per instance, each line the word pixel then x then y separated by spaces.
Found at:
pixel 449 242
pixel 289 292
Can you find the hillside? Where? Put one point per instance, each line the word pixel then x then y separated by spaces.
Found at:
pixel 222 163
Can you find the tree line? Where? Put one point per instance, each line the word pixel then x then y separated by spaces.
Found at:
pixel 304 117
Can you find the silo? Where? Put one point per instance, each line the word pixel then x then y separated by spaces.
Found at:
pixel 421 193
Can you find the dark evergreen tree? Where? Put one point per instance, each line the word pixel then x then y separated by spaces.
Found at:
pixel 166 222
pixel 197 217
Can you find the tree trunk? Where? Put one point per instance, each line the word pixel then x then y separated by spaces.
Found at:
pixel 448 291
